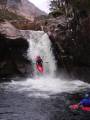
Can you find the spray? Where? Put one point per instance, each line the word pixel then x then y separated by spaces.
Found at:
pixel 40 45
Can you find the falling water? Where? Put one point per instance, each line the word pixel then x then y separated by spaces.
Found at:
pixel 46 84
pixel 40 45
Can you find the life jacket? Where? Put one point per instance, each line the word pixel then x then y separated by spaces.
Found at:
pixel 85 102
pixel 39 60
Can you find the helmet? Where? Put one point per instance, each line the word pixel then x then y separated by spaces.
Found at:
pixel 86 95
pixel 38 57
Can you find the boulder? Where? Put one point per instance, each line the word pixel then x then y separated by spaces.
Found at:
pixel 70 42
pixel 9 30
pixel 13 52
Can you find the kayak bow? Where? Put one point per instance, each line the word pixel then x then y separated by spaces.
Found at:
pixel 39 68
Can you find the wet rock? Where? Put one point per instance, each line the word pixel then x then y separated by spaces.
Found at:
pixel 70 42
pixel 9 30
pixel 13 57
pixel 13 52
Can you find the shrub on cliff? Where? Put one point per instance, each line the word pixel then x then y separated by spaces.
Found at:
pixel 9 15
pixel 55 13
pixel 67 6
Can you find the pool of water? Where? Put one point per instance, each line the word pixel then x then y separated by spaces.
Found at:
pixel 40 99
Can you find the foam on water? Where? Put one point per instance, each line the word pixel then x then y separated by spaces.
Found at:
pixel 46 86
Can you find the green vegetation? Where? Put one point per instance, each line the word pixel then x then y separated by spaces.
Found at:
pixel 24 25
pixel 56 8
pixel 55 13
pixel 66 7
pixel 81 4
pixel 5 14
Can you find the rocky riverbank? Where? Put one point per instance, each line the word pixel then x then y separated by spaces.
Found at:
pixel 70 43
pixel 13 52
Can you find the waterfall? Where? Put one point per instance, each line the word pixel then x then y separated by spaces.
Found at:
pixel 40 45
pixel 46 85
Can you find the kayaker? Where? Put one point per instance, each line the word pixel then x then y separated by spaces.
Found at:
pixel 84 104
pixel 39 64
pixel 39 61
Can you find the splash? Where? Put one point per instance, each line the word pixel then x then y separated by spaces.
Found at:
pixel 40 45
pixel 45 87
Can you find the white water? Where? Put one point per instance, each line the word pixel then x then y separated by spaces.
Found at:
pixel 46 85
pixel 40 45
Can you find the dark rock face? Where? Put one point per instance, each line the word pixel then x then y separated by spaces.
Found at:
pixel 13 59
pixel 71 44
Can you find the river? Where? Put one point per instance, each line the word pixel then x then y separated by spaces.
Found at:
pixel 43 97
pixel 40 99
